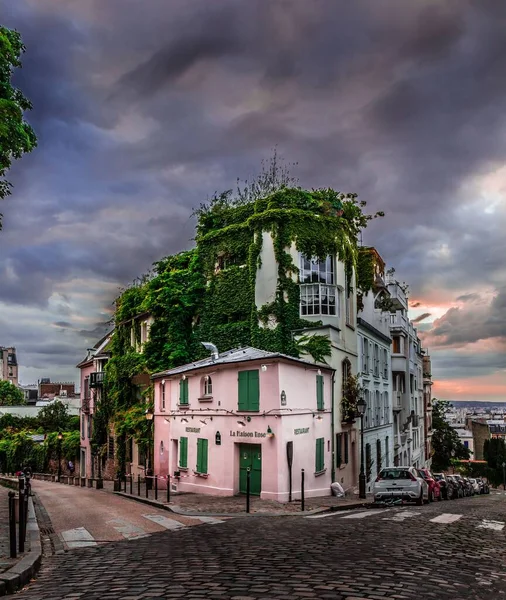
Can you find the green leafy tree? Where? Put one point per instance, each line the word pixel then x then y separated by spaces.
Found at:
pixel 16 135
pixel 445 440
pixel 54 417
pixel 494 452
pixel 10 395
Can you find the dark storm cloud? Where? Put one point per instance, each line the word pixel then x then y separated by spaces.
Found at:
pixel 421 318
pixel 143 113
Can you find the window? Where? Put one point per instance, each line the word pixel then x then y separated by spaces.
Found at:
pixel 368 462
pixel 83 426
pixel 396 344
pixel 318 294
pixel 208 386
pixel 249 391
pixel 162 395
pixel 378 456
pixel 183 452
pixel 377 409
pixel 183 391
pixel 376 360
pixel 386 408
pixel 387 451
pixel 339 450
pixel 365 361
pixel 202 445
pixel 385 363
pixel 320 457
pixel 411 383
pixel 90 419
pixel 350 317
pixel 466 444
pixel 319 392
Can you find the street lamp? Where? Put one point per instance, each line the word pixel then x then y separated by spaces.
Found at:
pixel 148 469
pixel 60 438
pixel 361 408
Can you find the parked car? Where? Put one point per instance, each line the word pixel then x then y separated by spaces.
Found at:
pixel 484 487
pixel 475 484
pixel 401 482
pixel 466 486
pixel 434 487
pixel 458 486
pixel 446 485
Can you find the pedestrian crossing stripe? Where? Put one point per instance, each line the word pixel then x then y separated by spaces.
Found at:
pixel 495 525
pixel 446 518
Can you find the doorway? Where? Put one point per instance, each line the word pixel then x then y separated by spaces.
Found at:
pixel 250 456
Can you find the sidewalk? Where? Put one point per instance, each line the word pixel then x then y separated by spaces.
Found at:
pixel 200 504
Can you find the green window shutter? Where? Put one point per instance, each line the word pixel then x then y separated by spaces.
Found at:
pixel 243 390
pixel 202 455
pixel 183 391
pixel 253 390
pixel 319 392
pixel 320 461
pixel 183 452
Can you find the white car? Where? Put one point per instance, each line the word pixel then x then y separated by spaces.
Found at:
pixel 476 486
pixel 400 482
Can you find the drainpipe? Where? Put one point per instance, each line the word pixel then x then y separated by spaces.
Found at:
pixel 332 439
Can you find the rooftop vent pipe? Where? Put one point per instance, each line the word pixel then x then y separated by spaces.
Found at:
pixel 212 348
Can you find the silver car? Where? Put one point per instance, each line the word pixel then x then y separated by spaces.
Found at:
pixel 400 482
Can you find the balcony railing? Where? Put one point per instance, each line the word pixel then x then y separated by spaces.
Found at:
pixel 97 379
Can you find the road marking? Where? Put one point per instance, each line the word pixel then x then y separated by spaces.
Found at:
pixel 164 521
pixel 446 518
pixel 362 515
pixel 127 530
pixel 210 520
pixel 78 538
pixel 495 525
pixel 402 515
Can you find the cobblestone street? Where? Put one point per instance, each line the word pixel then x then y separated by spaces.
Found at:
pixel 445 550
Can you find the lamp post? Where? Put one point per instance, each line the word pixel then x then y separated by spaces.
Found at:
pixel 361 407
pixel 504 475
pixel 60 438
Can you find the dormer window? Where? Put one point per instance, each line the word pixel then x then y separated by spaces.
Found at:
pixel 208 386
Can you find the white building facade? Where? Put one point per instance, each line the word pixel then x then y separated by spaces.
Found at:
pixel 374 360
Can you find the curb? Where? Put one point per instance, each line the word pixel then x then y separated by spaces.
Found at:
pixel 183 513
pixel 22 572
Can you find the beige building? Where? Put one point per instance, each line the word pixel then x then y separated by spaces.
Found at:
pixel 8 365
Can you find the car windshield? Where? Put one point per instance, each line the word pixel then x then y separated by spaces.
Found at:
pixel 438 477
pixel 422 474
pixel 394 474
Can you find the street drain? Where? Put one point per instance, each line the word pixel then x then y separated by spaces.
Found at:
pixel 46 530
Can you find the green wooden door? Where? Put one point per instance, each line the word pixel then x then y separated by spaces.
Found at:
pixel 250 456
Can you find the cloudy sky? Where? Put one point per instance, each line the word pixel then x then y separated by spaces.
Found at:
pixel 145 108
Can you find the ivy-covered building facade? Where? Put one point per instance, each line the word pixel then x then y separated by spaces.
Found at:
pixel 280 274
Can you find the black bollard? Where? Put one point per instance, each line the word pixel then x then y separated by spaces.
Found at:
pixel 124 487
pixel 147 487
pixel 138 484
pixel 302 490
pixel 156 487
pixel 248 487
pixel 131 484
pixel 21 520
pixel 168 488
pixel 12 524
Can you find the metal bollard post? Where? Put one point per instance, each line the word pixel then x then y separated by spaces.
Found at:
pixel 131 483
pixel 248 486
pixel 168 488
pixel 21 521
pixel 138 484
pixel 12 524
pixel 124 488
pixel 156 487
pixel 302 490
pixel 147 488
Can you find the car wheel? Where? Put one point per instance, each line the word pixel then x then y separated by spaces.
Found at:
pixel 419 500
pixel 431 497
pixel 439 497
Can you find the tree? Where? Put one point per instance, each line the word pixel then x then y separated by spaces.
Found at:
pixel 494 452
pixel 16 135
pixel 445 440
pixel 54 417
pixel 10 395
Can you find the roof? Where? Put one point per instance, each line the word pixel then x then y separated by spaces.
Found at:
pixel 100 348
pixel 237 355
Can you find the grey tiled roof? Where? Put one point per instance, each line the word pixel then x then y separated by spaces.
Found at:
pixel 237 355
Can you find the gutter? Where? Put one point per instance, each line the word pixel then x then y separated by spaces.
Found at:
pixel 333 441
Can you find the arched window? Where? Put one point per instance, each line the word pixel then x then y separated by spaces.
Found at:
pixel 208 386
pixel 346 372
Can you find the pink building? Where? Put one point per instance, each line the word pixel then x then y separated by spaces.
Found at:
pixel 241 409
